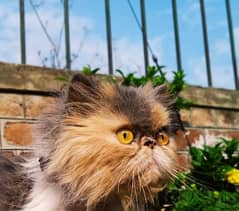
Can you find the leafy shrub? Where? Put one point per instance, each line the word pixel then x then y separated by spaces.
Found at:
pixel 153 74
pixel 211 184
pixel 158 77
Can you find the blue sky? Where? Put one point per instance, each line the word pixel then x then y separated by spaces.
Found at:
pixel 87 21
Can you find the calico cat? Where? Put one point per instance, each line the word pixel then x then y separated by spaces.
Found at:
pixel 101 146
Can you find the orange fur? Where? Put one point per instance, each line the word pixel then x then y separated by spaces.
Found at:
pixel 87 160
pixel 91 162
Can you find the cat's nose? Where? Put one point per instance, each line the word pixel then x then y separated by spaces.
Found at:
pixel 148 141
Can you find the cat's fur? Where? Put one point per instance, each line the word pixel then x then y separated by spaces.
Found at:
pixel 78 162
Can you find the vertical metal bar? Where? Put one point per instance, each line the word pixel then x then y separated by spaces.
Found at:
pixel 176 35
pixel 22 31
pixel 232 44
pixel 144 34
pixel 206 45
pixel 109 37
pixel 67 34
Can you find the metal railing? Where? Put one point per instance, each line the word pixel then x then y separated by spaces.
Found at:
pixel 143 28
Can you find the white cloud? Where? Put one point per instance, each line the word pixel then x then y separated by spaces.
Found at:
pixel 222 75
pixel 222 47
pixel 89 46
pixel 9 36
pixel 236 37
pixel 197 71
pixel 190 13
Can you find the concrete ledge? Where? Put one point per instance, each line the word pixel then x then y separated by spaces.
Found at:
pixel 212 97
pixel 25 77
pixel 32 78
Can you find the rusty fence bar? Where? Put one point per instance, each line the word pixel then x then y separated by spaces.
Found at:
pixel 144 34
pixel 176 34
pixel 143 29
pixel 22 31
pixel 232 44
pixel 67 34
pixel 109 36
pixel 206 45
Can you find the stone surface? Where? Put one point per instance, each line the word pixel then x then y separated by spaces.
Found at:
pixel 186 116
pixel 11 105
pixel 35 105
pixel 220 98
pixel 11 76
pixel 16 134
pixel 26 77
pixel 226 118
pixel 202 117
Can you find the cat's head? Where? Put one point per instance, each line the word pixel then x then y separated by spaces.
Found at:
pixel 113 140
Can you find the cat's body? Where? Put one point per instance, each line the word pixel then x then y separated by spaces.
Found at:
pixel 101 147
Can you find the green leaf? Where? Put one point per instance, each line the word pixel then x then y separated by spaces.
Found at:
pixel 63 78
pixel 120 72
pixel 87 70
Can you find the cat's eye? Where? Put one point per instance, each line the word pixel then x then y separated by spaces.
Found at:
pixel 162 138
pixel 125 136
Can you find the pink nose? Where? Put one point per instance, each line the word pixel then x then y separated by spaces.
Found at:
pixel 148 141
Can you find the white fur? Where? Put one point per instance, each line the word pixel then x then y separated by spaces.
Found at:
pixel 44 196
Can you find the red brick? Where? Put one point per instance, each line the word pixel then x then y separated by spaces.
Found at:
pixel 193 136
pixel 34 105
pixel 11 105
pixel 224 133
pixel 17 134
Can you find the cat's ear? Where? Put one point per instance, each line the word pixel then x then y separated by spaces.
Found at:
pixel 83 88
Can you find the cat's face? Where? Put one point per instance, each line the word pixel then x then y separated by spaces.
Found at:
pixel 113 140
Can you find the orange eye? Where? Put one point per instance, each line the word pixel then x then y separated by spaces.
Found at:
pixel 125 136
pixel 163 139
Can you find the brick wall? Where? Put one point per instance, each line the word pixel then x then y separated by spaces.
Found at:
pixel 26 90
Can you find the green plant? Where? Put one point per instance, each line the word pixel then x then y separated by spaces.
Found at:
pixel 153 74
pixel 87 70
pixel 208 186
pixel 158 77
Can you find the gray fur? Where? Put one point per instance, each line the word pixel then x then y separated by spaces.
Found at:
pixel 14 184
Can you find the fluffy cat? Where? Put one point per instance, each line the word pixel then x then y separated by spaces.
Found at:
pixel 102 146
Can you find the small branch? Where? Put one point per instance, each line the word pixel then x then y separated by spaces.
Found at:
pixel 54 47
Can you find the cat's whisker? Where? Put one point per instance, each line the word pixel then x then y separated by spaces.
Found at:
pixel 184 183
pixel 140 184
pixel 135 190
pixel 147 188
pixel 122 175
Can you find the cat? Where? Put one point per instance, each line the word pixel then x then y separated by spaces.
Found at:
pixel 101 146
